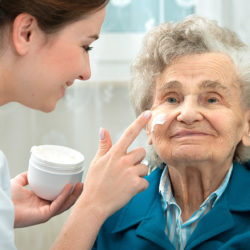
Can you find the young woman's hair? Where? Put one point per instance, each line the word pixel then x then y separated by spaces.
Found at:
pixel 51 15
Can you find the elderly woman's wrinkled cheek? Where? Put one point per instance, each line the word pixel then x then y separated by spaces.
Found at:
pixel 161 116
pixel 157 128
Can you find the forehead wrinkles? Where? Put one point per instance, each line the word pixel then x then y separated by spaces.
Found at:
pixel 216 66
pixel 223 82
pixel 206 84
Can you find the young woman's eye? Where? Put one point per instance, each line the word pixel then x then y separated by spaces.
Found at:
pixel 87 48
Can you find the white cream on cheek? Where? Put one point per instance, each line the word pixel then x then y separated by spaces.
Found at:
pixel 158 120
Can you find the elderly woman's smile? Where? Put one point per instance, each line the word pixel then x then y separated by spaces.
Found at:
pixel 183 133
pixel 201 98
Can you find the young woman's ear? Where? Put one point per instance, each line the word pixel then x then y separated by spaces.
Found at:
pixel 23 29
pixel 246 136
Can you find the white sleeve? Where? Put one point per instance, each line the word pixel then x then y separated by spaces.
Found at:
pixel 7 241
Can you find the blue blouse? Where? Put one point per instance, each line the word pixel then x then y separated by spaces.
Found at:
pixel 177 231
pixel 140 225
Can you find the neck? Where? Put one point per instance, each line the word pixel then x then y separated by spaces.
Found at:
pixel 5 93
pixel 192 184
pixel 7 79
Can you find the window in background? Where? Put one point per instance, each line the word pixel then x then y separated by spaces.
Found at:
pixel 125 24
pixel 140 15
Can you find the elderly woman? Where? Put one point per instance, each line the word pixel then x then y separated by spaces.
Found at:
pixel 195 77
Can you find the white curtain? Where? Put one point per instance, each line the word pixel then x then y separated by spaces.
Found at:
pixel 233 14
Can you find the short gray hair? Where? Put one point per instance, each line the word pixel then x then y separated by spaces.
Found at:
pixel 169 41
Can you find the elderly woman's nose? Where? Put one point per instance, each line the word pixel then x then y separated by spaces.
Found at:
pixel 189 112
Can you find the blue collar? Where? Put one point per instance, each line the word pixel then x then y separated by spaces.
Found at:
pixel 237 192
pixel 138 208
pixel 145 208
pixel 165 189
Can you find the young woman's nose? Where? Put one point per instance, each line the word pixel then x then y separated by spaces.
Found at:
pixel 189 112
pixel 86 71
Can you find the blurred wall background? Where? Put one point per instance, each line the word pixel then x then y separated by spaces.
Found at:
pixel 102 101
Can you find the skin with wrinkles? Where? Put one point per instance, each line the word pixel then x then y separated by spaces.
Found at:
pixel 205 122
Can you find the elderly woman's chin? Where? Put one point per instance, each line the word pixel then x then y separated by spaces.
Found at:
pixel 188 158
pixel 193 154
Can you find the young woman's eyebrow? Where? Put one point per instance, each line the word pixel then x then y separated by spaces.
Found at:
pixel 95 37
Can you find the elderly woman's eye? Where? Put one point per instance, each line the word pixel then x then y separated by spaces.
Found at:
pixel 172 100
pixel 212 100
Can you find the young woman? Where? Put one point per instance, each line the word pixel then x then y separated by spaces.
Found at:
pixel 43 48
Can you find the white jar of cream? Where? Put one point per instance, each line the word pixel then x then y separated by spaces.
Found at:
pixel 51 167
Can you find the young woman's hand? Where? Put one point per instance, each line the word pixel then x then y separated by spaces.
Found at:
pixel 31 210
pixel 116 175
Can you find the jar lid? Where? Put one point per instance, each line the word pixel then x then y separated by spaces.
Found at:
pixel 58 157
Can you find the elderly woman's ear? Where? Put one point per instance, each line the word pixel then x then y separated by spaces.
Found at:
pixel 246 136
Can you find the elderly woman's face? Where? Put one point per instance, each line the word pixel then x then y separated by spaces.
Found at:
pixel 200 97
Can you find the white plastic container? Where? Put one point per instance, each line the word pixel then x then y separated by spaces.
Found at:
pixel 51 167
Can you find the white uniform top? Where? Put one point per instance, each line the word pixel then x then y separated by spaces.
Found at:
pixel 6 208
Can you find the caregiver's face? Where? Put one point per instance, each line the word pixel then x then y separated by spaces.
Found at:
pixel 58 62
pixel 201 99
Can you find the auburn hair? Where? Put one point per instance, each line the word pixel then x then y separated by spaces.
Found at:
pixel 51 15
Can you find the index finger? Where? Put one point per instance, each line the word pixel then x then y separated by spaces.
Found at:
pixel 133 131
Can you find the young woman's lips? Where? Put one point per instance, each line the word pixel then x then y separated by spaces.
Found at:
pixel 69 83
pixel 66 85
